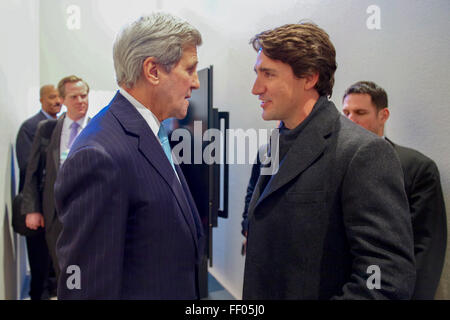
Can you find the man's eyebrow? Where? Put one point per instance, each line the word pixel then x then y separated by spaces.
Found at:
pixel 262 69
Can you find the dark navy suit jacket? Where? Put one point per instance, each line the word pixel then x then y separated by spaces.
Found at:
pixel 129 224
pixel 24 142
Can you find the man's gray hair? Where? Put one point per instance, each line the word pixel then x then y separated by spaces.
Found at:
pixel 159 35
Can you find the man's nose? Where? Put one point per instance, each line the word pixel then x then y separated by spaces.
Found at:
pixel 258 88
pixel 353 117
pixel 196 82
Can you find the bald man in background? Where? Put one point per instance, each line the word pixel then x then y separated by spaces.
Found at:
pixel 38 256
pixel 50 107
pixel 366 104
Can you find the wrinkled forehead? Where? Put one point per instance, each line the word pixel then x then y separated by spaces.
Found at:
pixel 189 55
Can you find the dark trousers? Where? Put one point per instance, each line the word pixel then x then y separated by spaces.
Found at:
pixel 40 261
pixel 52 232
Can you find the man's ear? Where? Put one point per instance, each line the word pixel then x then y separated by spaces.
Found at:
pixel 384 114
pixel 311 80
pixel 151 71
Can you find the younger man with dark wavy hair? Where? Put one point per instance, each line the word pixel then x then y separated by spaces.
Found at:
pixel 333 222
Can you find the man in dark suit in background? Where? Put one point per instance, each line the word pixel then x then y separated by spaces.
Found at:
pixel 366 104
pixel 38 255
pixel 50 148
pixel 50 107
pixel 130 225
pixel 333 222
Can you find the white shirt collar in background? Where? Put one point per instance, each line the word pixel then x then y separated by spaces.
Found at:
pixel 46 114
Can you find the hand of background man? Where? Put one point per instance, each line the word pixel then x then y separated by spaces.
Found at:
pixel 34 220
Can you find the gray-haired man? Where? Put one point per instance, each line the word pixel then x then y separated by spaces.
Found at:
pixel 130 225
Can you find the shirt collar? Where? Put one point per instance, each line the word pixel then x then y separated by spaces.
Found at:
pixel 81 122
pixel 149 117
pixel 46 114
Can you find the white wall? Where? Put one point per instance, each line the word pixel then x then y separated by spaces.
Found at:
pixel 408 56
pixel 19 99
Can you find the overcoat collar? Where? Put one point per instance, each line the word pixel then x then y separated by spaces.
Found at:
pixel 308 146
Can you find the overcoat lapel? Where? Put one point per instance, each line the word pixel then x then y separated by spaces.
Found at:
pixel 308 146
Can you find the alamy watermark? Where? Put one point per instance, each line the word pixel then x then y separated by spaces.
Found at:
pixel 374 281
pixel 74 279
pixel 196 147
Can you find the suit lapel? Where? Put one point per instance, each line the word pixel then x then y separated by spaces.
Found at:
pixel 41 116
pixel 308 146
pixel 150 147
pixel 256 196
pixel 194 213
pixel 55 142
